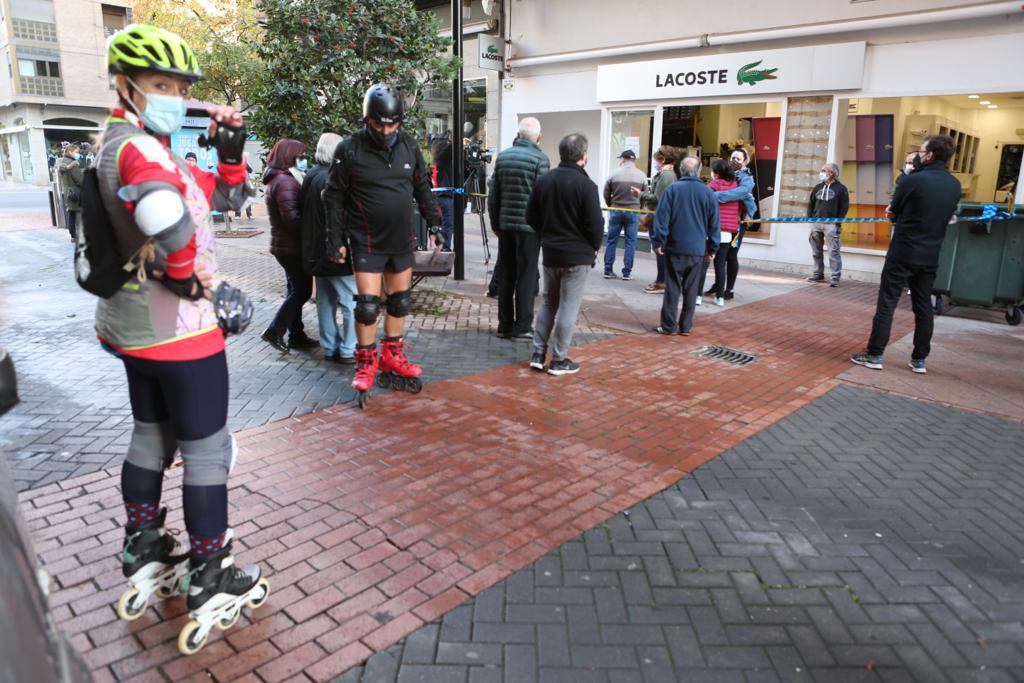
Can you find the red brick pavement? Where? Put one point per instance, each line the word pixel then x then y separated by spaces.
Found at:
pixel 372 523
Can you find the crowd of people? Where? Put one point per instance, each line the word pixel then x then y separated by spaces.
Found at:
pixel 345 223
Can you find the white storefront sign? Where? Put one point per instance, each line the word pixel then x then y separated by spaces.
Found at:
pixel 800 69
pixel 491 52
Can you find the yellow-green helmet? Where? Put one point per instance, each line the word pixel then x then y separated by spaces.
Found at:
pixel 141 46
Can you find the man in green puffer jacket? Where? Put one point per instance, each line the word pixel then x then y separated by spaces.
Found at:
pixel 515 172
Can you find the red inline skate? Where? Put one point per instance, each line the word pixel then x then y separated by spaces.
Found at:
pixel 397 371
pixel 367 361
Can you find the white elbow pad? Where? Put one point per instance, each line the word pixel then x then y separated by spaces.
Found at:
pixel 158 211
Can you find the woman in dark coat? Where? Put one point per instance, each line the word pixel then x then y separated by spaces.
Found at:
pixel 283 180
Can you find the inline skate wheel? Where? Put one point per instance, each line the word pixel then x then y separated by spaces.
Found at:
pixel 383 380
pixel 413 385
pixel 229 620
pixel 256 602
pixel 399 383
pixel 189 640
pixel 164 592
pixel 130 607
pixel 361 400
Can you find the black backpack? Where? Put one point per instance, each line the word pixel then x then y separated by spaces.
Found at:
pixel 100 268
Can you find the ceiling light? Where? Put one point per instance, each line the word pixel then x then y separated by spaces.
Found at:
pixel 993 106
pixel 973 97
pixel 984 102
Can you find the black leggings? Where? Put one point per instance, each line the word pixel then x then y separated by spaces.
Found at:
pixel 193 397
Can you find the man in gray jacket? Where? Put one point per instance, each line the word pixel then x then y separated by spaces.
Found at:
pixel 686 230
pixel 622 189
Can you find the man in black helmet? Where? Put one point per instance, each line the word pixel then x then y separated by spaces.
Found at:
pixel 376 174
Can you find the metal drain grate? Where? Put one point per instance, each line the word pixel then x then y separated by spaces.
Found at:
pixel 733 356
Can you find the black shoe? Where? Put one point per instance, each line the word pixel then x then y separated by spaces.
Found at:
pixel 834 283
pixel 528 334
pixel 503 334
pixel 491 294
pixel 710 292
pixel 816 278
pixel 302 341
pixel 537 361
pixel 563 367
pixel 275 340
pixel 727 296
pixel 345 360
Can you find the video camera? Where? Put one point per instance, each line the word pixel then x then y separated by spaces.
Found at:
pixel 475 154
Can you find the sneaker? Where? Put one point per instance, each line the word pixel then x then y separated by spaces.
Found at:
pixel 654 288
pixel 699 300
pixel 563 367
pixel 917 365
pixel 728 296
pixel 834 283
pixel 867 360
pixel 719 301
pixel 537 361
pixel 627 276
pixel 661 330
pixel 302 341
pixel 528 334
pixel 816 278
pixel 609 276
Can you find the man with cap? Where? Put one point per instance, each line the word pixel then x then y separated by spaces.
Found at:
pixel 191 159
pixel 622 190
pixel 376 175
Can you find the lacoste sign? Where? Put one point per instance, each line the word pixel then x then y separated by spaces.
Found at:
pixel 491 52
pixel 803 69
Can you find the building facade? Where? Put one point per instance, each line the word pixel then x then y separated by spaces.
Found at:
pixel 857 82
pixel 54 85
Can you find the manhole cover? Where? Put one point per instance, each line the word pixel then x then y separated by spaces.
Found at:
pixel 734 356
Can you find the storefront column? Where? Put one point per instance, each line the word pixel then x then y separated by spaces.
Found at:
pixel 808 120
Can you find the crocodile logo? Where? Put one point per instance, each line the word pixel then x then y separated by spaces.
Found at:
pixel 749 74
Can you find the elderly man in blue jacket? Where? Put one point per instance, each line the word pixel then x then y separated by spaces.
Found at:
pixel 686 231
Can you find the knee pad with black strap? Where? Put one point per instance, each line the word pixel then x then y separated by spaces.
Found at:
pixel 399 304
pixel 152 445
pixel 209 460
pixel 367 308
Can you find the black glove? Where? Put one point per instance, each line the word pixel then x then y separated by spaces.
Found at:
pixel 188 288
pixel 228 140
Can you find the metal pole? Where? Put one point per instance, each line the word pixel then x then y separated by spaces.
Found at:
pixel 459 200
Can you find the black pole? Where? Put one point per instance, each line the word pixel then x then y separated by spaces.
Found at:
pixel 457 168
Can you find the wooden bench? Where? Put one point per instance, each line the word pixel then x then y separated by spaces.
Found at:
pixel 431 264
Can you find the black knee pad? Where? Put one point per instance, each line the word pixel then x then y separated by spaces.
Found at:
pixel 399 304
pixel 367 308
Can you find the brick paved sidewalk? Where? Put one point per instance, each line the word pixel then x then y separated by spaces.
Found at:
pixel 862 538
pixel 374 523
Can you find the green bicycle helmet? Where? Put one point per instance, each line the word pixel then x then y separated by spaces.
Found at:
pixel 141 46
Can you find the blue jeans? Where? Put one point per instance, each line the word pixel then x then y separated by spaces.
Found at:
pixel 447 204
pixel 331 291
pixel 619 221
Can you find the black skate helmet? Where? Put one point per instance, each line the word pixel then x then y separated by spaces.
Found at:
pixel 383 103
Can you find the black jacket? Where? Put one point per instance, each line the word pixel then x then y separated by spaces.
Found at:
pixel 283 209
pixel 565 212
pixel 923 203
pixel 369 195
pixel 828 201
pixel 314 227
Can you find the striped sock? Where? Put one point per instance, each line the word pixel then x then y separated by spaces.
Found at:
pixel 202 546
pixel 140 513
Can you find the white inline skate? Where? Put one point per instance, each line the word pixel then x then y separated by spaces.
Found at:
pixel 154 564
pixel 217 590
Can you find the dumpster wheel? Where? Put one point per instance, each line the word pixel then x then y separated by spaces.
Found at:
pixel 1014 315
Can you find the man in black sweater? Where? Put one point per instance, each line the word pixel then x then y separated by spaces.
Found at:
pixel 829 199
pixel 922 205
pixel 565 211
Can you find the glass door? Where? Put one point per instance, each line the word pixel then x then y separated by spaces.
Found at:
pixel 633 130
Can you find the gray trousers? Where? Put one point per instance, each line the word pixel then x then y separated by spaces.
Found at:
pixel 682 277
pixel 559 308
pixel 821 234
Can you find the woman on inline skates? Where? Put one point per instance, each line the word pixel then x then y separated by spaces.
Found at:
pixel 165 324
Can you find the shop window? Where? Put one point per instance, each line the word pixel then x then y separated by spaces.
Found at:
pixel 632 130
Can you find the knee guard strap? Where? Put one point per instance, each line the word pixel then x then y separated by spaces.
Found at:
pixel 399 304
pixel 209 460
pixel 152 445
pixel 367 308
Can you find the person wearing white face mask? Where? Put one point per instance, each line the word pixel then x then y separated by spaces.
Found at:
pixel 69 170
pixel 829 199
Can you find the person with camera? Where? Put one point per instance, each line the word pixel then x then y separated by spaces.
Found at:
pixel 376 175
pixel 167 324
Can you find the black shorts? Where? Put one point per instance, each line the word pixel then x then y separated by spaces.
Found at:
pixel 364 262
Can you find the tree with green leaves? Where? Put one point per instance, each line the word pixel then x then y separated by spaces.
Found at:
pixel 320 56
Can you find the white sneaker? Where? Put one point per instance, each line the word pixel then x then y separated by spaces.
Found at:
pixel 699 300
pixel 719 301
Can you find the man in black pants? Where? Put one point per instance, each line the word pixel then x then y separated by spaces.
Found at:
pixel 922 205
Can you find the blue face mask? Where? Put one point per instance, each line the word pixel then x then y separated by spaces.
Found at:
pixel 76 156
pixel 301 165
pixel 165 114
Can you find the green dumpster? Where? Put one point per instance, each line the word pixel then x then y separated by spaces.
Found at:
pixel 982 264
